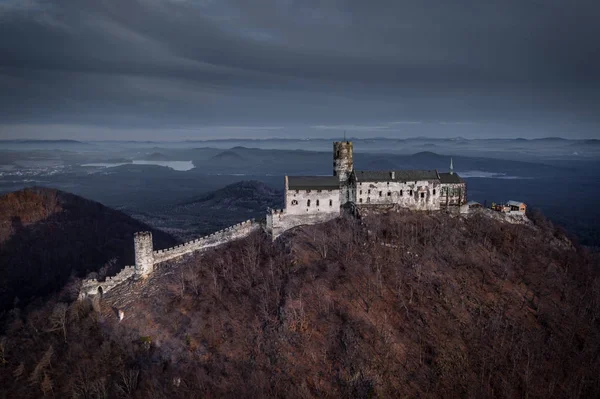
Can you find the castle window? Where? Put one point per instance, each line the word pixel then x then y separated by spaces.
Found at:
pixel 317 202
pixel 401 193
pixel 434 191
pixel 318 192
pixel 411 193
pixel 360 192
pixel 360 200
pixel 422 195
pixel 368 199
pixel 294 202
pixel 297 191
pixel 368 191
pixel 380 194
pixel 308 203
pixel 389 193
pixel 330 202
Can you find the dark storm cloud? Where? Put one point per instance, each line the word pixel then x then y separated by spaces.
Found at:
pixel 186 63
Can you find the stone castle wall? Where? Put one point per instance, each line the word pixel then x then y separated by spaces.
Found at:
pixel 146 257
pixel 94 287
pixel 279 220
pixel 224 236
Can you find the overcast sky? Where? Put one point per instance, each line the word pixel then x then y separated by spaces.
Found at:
pixel 157 69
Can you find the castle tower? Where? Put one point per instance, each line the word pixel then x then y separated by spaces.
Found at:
pixel 144 253
pixel 342 159
pixel 343 165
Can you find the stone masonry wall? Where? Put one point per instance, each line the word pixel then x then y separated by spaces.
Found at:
pixel 224 236
pixel 419 195
pixel 148 258
pixel 279 220
pixel 95 287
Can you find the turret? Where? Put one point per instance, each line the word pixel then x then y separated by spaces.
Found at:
pixel 342 160
pixel 343 167
pixel 144 253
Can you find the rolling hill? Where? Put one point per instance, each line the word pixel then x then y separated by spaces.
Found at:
pixel 47 235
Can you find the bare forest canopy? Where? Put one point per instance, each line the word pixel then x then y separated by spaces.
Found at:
pixel 399 305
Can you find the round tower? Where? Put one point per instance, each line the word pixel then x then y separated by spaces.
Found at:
pixel 144 253
pixel 342 160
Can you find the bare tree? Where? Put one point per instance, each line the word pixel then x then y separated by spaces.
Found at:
pixel 58 319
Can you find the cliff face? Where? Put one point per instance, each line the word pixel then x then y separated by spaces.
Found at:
pixel 47 235
pixel 398 305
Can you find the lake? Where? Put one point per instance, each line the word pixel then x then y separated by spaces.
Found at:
pixel 176 165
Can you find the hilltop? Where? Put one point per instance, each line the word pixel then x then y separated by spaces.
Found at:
pixel 47 235
pixel 399 305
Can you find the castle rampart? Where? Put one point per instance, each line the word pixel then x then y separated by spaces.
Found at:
pixel 224 236
pixel 95 287
pixel 146 257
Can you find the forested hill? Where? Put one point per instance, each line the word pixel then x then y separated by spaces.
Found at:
pixel 47 235
pixel 400 305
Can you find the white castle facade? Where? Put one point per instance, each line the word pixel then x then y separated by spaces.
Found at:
pixel 316 199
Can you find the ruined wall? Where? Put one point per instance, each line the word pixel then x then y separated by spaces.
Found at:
pixel 95 287
pixel 415 195
pixel 452 194
pixel 224 236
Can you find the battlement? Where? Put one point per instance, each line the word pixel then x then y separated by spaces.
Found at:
pixel 92 287
pixel 146 257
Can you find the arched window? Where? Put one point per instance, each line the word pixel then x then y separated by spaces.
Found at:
pixel 317 202
pixel 308 203
pixel 330 202
pixel 294 202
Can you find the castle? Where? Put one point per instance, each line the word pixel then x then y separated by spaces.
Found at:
pixel 316 199
pixel 311 200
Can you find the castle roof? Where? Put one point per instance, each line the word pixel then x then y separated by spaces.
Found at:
pixel 395 175
pixel 313 183
pixel 450 178
pixel 514 203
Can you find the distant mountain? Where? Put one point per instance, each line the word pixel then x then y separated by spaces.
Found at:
pixel 245 197
pixel 219 209
pixel 46 235
pixel 427 155
pixel 155 156
pixel 29 141
pixel 228 155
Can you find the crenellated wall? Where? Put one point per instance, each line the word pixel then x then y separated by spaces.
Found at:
pixel 95 287
pixel 232 233
pixel 146 257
